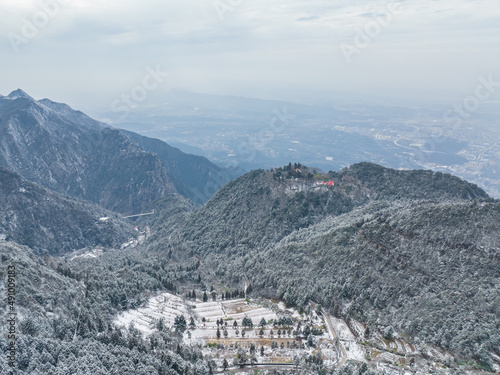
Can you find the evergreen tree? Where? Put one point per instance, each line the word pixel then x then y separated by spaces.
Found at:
pixel 242 357
pixel 310 341
pixel 367 333
pixel 307 330
pixel 247 322
pixel 180 323
pixel 160 325
pixel 252 349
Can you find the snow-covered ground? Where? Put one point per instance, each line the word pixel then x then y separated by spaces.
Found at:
pixel 166 306
pixel 342 330
pixel 205 314
pixel 231 310
pixel 354 350
pixel 389 355
pixel 94 253
pixel 133 242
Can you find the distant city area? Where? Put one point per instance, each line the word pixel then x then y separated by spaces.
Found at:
pixel 250 133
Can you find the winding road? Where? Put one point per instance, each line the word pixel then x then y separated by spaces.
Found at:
pixel 334 336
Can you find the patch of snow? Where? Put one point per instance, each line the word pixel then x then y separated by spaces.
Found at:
pixel 94 253
pixel 341 329
pixel 354 350
pixel 133 242
pixel 165 306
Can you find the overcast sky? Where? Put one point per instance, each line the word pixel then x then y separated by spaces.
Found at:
pixel 89 52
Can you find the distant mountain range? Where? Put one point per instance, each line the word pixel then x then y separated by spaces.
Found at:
pixel 66 151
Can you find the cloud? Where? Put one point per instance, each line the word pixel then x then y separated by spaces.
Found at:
pixel 307 18
pixel 122 38
pixel 102 48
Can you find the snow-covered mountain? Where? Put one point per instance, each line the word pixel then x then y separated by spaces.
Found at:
pixel 51 223
pixel 65 150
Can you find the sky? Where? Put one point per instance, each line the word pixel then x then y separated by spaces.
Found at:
pixel 88 53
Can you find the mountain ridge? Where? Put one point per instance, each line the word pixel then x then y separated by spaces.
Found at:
pixel 50 223
pixel 387 247
pixel 67 151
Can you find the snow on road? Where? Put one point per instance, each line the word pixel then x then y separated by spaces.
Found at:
pixel 353 349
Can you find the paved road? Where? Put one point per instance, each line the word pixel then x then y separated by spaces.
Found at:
pixel 478 158
pixel 334 336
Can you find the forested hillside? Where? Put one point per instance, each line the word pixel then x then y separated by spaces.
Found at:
pixel 387 183
pixel 66 308
pixel 195 177
pixel 261 207
pixel 412 252
pixel 433 279
pixel 416 250
pixel 65 312
pixel 54 224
